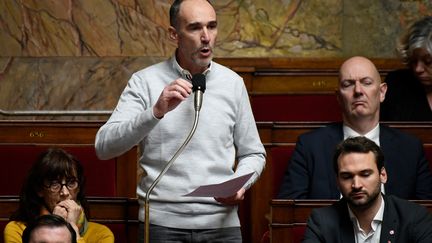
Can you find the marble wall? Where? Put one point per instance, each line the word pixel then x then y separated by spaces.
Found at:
pixel 79 54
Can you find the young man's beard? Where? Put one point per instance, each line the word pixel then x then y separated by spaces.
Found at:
pixel 371 198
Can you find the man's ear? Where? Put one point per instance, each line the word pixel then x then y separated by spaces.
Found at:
pixel 173 34
pixel 338 97
pixel 383 175
pixel 383 91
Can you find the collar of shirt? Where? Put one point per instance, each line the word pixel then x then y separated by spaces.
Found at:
pixel 185 74
pixel 375 233
pixel 372 134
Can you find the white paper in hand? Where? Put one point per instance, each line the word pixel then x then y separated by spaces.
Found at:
pixel 224 189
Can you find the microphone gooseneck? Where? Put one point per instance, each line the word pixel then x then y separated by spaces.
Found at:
pixel 198 86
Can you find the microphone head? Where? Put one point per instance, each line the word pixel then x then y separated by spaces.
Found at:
pixel 199 82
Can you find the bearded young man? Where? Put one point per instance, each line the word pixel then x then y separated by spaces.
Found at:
pixel 364 214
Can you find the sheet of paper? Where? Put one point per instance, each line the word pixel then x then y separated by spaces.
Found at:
pixel 224 189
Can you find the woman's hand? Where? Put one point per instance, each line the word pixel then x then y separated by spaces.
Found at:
pixel 69 210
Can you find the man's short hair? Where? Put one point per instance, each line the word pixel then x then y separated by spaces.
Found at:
pixel 51 221
pixel 358 145
pixel 174 10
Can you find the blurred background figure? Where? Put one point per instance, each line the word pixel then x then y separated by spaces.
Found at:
pixel 409 93
pixel 55 185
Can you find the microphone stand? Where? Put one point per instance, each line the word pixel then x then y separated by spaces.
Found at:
pixel 167 166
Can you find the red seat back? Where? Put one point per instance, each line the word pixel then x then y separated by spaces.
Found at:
pixel 16 160
pixel 280 159
pixel 298 107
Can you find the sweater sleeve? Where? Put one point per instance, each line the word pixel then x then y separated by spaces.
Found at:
pixel 250 151
pixel 130 122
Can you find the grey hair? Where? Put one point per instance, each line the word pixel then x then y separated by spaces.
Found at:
pixel 418 35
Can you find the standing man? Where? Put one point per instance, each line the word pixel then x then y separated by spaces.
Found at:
pixel 310 175
pixel 364 214
pixel 156 112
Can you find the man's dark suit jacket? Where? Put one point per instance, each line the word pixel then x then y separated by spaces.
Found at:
pixel 403 221
pixel 310 173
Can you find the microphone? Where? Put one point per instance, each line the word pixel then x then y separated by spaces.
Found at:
pixel 198 86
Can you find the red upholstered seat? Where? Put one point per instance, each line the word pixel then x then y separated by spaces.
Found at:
pixel 428 154
pixel 296 107
pixel 280 159
pixel 119 231
pixel 16 160
pixel 298 233
pixel 2 226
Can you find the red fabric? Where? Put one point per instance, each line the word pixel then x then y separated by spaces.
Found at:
pixel 2 226
pixel 280 159
pixel 16 160
pixel 304 107
pixel 428 154
pixel 298 233
pixel 119 231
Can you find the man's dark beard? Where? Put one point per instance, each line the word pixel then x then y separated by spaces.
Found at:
pixel 371 200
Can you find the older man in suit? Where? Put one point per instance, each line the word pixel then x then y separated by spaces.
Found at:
pixel 309 173
pixel 364 214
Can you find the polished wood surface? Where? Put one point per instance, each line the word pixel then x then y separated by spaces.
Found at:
pixel 295 75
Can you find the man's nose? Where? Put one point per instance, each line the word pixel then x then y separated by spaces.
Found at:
pixel 356 183
pixel 205 37
pixel 358 89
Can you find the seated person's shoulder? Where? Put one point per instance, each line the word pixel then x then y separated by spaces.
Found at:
pixel 401 135
pixel 99 233
pixel 330 129
pixel 13 231
pixel 403 205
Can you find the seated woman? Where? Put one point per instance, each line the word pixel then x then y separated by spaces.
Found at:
pixel 409 92
pixel 55 185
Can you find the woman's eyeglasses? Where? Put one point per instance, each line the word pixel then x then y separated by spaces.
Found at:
pixel 56 186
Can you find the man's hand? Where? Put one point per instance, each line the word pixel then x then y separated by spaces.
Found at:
pixel 234 199
pixel 171 97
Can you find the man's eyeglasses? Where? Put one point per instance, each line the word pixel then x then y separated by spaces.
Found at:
pixel 56 186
